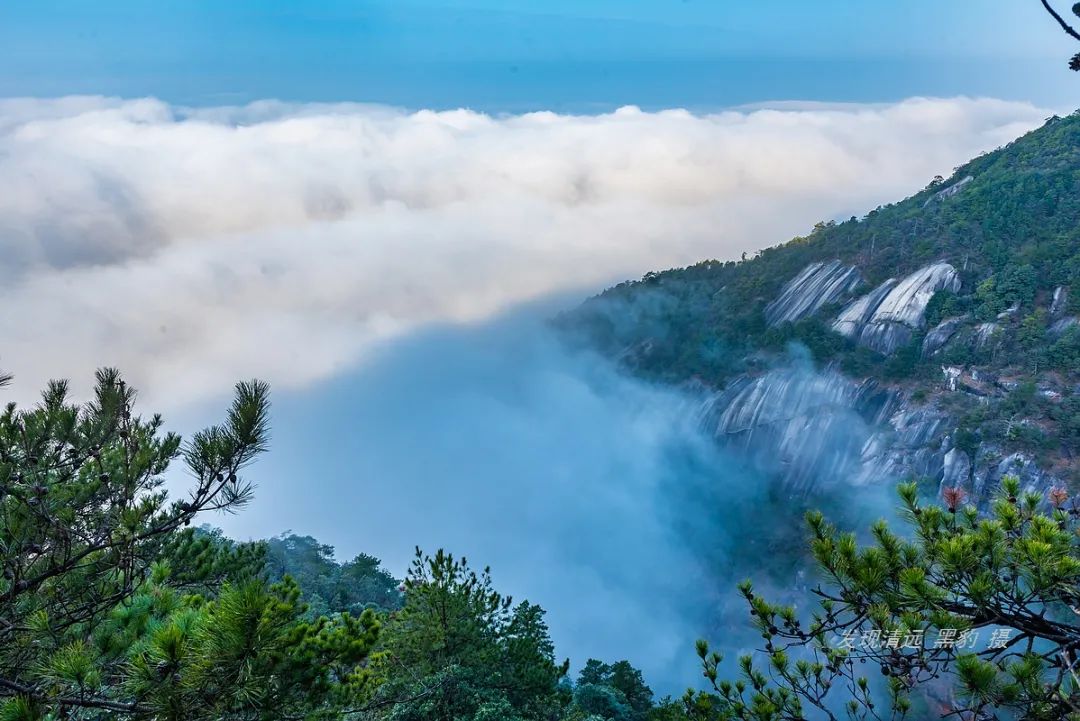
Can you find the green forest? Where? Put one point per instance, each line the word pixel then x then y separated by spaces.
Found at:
pixel 1007 222
pixel 1011 232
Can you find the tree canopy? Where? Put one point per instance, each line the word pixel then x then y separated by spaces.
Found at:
pixel 112 606
pixel 115 604
pixel 971 615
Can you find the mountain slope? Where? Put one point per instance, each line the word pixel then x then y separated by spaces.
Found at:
pixel 945 322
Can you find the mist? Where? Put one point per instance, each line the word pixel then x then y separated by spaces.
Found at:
pixel 596 495
pixel 192 247
pixel 391 272
pixel 495 442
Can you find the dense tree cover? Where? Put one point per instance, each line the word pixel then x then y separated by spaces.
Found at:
pixel 614 691
pixel 458 649
pixel 113 605
pixel 972 616
pixel 329 586
pixel 1012 230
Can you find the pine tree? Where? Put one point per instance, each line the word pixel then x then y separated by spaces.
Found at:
pixel 619 688
pixel 113 606
pixel 897 631
pixel 459 650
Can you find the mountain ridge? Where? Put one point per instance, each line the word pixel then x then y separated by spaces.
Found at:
pixel 959 303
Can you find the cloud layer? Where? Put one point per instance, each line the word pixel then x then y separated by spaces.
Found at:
pixel 378 252
pixel 587 492
pixel 193 247
pixel 596 495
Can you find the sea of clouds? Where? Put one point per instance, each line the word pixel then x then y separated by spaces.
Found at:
pixel 194 246
pixel 390 272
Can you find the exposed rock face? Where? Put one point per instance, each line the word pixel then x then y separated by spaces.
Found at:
pixel 818 284
pixel 1009 312
pixel 956 469
pixel 855 317
pixel 805 428
pixel 1059 327
pixel 939 335
pixel 950 191
pixel 995 467
pixel 907 445
pixel 886 318
pixel 1061 301
pixel 984 333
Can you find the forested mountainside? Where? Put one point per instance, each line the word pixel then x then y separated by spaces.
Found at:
pixel 328 586
pixel 943 328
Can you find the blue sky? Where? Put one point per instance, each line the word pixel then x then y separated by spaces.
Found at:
pixel 509 55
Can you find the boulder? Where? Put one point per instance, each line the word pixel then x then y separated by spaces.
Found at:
pixel 886 318
pixel 939 335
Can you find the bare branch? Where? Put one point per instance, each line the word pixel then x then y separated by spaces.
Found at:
pixel 1060 20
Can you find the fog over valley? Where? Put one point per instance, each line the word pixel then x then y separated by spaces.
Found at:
pixel 287 241
pixel 393 273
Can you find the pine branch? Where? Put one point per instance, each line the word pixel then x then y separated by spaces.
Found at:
pixel 31 692
pixel 1060 20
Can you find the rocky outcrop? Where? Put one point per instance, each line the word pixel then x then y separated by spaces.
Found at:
pixel 939 335
pixel 906 446
pixel 802 427
pixel 985 333
pixel 1059 327
pixel 950 191
pixel 808 429
pixel 1009 312
pixel 992 467
pixel 956 469
pixel 1060 302
pixel 855 316
pixel 818 285
pixel 887 317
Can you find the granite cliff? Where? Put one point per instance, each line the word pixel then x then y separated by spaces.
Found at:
pixel 936 338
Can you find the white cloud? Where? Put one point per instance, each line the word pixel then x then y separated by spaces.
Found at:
pixel 195 247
